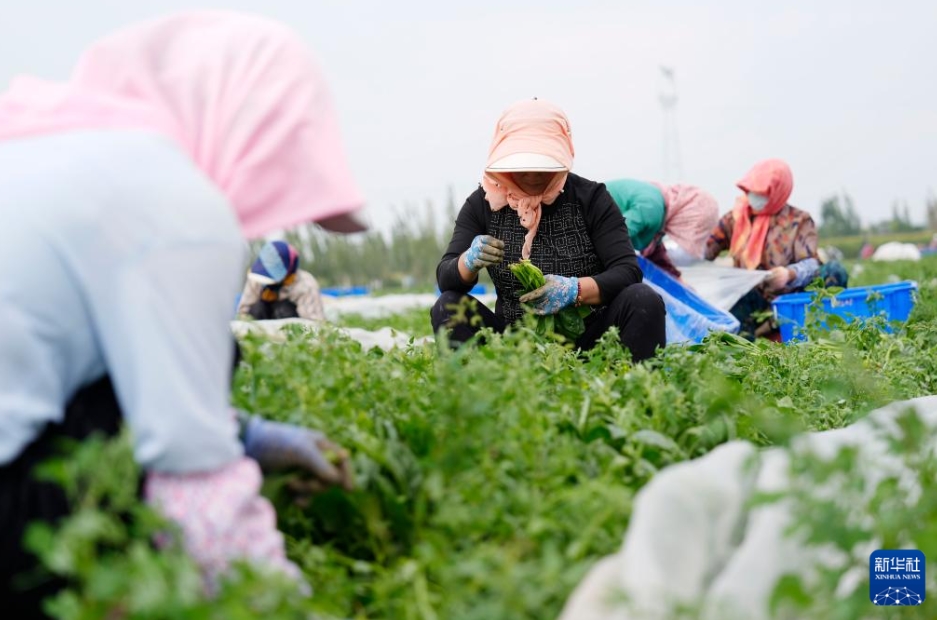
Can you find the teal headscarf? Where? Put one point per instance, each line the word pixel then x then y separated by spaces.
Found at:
pixel 643 206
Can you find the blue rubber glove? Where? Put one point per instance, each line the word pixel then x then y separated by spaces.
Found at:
pixel 558 293
pixel 278 447
pixel 485 251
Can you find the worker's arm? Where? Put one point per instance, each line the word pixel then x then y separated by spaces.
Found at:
pixel 721 237
pixel 305 293
pixel 249 296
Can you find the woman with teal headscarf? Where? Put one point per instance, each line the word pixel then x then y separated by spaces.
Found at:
pixel 684 213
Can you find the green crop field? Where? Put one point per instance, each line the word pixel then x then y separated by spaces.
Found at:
pixel 852 246
pixel 488 479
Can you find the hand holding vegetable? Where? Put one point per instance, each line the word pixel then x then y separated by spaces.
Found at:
pixel 485 251
pixel 276 447
pixel 568 322
pixel 558 292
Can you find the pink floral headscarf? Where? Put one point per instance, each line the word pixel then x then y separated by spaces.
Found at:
pixel 531 126
pixel 240 94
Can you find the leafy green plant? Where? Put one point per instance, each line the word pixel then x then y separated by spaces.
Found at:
pixel 568 322
pixel 110 567
pixel 490 479
pixel 837 505
pixel 411 322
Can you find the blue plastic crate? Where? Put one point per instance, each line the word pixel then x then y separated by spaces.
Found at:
pixel 893 301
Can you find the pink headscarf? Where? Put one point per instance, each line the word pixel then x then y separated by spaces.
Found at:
pixel 691 215
pixel 530 126
pixel 240 94
pixel 773 178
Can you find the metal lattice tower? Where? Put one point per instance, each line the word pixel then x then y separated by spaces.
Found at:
pixel 673 168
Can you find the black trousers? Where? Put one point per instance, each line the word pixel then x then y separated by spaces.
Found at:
pixel 23 499
pixel 266 310
pixel 751 303
pixel 637 311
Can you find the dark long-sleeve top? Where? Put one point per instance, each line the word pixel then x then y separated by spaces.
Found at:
pixel 581 234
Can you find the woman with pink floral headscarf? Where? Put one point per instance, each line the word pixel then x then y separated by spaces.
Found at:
pixel 126 194
pixel 763 231
pixel 531 206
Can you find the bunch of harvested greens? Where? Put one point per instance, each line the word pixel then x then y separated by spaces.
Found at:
pixel 568 322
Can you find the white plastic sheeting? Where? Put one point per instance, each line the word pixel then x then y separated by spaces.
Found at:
pixel 692 538
pixel 721 286
pixel 895 250
pixel 371 307
pixel 384 338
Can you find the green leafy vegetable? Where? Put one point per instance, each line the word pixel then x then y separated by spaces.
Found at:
pixel 490 479
pixel 568 322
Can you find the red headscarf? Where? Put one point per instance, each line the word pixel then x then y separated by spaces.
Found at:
pixel 772 178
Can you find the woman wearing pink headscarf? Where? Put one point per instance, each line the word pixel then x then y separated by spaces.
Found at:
pixel 530 205
pixel 685 214
pixel 764 232
pixel 126 194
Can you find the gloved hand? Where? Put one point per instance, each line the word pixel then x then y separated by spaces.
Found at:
pixel 485 251
pixel 779 278
pixel 558 293
pixel 277 447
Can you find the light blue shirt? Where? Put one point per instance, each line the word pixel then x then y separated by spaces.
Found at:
pixel 119 257
pixel 805 270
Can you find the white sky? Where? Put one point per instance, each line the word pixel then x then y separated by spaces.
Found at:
pixel 846 92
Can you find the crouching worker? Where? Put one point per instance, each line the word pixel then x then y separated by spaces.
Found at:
pixel 278 289
pixel 684 214
pixel 764 232
pixel 132 188
pixel 566 225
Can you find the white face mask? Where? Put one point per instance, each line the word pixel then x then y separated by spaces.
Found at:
pixel 757 201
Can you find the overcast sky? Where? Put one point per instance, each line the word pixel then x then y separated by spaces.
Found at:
pixel 846 92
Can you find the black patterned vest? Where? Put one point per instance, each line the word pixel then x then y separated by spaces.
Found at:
pixel 562 247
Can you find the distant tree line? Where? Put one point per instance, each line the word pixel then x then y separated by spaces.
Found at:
pixel 838 218
pixel 406 257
